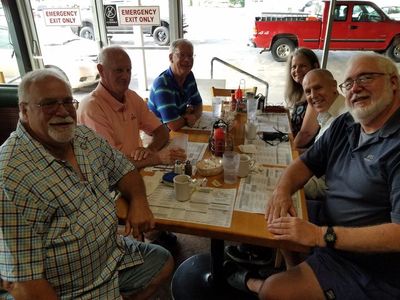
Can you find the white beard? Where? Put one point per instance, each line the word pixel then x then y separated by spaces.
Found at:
pixel 64 135
pixel 368 113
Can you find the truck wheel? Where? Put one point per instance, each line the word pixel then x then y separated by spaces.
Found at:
pixel 393 51
pixel 87 33
pixel 161 36
pixel 281 49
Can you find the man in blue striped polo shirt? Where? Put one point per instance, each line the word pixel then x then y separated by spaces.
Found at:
pixel 174 96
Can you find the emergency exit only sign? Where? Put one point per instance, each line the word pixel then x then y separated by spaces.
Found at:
pixel 139 15
pixel 62 16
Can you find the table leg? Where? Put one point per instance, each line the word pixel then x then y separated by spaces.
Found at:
pixel 200 277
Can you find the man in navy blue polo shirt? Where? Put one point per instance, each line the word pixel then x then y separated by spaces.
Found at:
pixel 174 97
pixel 356 255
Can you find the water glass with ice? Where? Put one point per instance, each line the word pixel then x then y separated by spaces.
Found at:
pixel 216 107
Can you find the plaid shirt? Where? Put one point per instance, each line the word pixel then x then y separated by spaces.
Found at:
pixel 54 225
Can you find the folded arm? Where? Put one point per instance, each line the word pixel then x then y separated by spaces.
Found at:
pixel 190 117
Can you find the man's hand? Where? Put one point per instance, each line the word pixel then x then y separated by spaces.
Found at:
pixel 141 153
pixel 140 218
pixel 297 230
pixel 280 205
pixel 168 156
pixel 190 119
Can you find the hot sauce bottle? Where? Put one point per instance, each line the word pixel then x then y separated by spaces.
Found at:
pixel 219 141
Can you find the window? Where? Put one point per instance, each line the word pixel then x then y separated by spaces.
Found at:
pixel 9 71
pixel 365 13
pixel 340 13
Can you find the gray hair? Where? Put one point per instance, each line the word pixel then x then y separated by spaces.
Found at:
pixel 175 44
pixel 387 65
pixel 37 76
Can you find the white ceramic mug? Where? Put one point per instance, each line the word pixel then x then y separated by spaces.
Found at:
pixel 245 165
pixel 251 131
pixel 183 187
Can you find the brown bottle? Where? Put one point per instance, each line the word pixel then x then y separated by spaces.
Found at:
pixel 233 101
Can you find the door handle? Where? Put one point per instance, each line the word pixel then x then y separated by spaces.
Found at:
pixel 353 26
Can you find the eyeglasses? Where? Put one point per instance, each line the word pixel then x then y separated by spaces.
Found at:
pixel 51 106
pixel 362 80
pixel 184 56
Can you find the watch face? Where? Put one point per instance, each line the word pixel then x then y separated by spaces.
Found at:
pixel 330 237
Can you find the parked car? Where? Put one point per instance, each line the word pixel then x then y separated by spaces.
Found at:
pixel 392 11
pixel 73 56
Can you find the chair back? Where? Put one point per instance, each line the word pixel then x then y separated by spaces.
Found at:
pixel 219 92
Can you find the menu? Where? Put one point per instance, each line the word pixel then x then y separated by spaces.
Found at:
pixel 271 122
pixel 210 206
pixel 256 190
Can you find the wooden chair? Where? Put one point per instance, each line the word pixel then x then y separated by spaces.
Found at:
pixel 219 92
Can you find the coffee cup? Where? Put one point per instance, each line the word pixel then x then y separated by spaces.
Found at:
pixel 245 165
pixel 183 187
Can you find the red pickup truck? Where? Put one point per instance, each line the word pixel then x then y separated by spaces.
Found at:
pixel 357 25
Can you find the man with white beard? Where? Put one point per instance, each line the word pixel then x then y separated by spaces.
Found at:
pixel 58 224
pixel 356 254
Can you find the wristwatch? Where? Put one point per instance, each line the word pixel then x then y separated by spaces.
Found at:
pixel 330 237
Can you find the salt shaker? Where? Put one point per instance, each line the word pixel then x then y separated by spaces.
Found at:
pixel 178 167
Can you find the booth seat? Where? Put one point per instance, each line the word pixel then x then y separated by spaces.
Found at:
pixel 8 110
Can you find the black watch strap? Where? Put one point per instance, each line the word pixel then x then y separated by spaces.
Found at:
pixel 330 237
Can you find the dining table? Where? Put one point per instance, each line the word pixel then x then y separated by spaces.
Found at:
pixel 202 276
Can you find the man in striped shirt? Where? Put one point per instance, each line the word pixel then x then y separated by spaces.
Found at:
pixel 174 97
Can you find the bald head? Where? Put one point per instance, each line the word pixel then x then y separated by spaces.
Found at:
pixel 115 70
pixel 320 89
pixel 324 75
pixel 110 54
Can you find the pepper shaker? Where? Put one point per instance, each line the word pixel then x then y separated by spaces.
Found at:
pixel 188 168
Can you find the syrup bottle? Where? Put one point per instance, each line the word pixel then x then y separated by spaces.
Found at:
pixel 233 100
